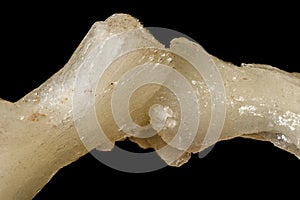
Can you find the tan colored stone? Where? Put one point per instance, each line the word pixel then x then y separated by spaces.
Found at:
pixel 39 133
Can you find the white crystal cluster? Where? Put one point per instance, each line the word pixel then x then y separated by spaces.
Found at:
pixel 122 83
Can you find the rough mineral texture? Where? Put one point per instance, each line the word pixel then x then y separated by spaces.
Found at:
pixel 60 121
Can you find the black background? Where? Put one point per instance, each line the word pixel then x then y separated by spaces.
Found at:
pixel 38 39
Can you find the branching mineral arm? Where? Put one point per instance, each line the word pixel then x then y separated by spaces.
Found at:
pixel 38 134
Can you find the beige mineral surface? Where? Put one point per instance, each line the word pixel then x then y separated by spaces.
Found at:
pixel 123 83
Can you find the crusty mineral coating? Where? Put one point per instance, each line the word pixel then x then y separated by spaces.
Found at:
pixel 38 136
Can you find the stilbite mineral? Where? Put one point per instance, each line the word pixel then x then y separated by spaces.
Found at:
pixel 39 134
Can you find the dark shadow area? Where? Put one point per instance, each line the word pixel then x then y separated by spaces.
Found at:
pixel 235 165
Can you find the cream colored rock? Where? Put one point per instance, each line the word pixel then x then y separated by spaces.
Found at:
pixel 60 121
